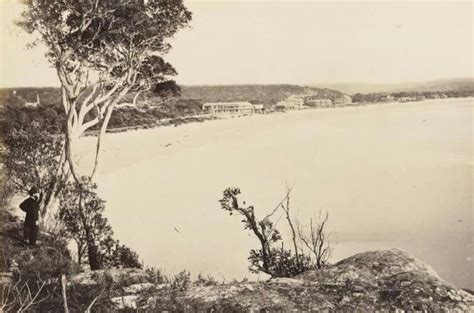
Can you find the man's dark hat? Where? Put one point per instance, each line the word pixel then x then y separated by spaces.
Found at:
pixel 33 190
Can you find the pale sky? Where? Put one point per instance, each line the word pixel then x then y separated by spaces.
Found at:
pixel 291 42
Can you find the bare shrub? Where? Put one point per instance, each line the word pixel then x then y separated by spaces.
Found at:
pixel 19 296
pixel 276 262
pixel 316 239
pixel 311 248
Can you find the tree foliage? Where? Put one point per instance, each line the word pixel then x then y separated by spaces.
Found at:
pixel 102 50
pixel 264 230
pixel 283 262
pixel 279 261
pixel 81 211
pixel 33 158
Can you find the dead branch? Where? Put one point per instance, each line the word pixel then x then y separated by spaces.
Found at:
pixel 19 297
pixel 317 240
pixel 286 209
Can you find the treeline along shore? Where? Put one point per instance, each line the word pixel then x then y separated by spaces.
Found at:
pixel 153 109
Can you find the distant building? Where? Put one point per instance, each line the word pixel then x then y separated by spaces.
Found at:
pixel 293 102
pixel 31 104
pixel 319 103
pixel 259 108
pixel 217 108
pixel 342 100
pixel 387 98
pixel 406 99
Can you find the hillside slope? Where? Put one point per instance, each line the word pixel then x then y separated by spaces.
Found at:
pixel 442 85
pixel 265 94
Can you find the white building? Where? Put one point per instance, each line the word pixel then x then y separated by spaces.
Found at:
pixel 259 108
pixel 217 108
pixel 293 102
pixel 319 103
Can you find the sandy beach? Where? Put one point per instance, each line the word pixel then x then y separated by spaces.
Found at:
pixel 392 175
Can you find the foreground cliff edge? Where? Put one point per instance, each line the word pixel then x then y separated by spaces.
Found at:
pixel 385 280
pixel 369 281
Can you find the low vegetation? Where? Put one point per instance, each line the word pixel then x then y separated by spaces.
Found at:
pixel 309 251
pixel 394 96
pixel 81 212
pixel 33 158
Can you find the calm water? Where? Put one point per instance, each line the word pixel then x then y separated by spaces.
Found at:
pixel 397 175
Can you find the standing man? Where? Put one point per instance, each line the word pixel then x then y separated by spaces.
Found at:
pixel 31 207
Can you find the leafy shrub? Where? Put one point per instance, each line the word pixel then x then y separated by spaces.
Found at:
pixel 32 158
pixel 206 280
pixel 156 276
pixel 283 263
pixel 44 262
pixel 115 254
pixel 181 281
pixel 81 211
pixel 277 262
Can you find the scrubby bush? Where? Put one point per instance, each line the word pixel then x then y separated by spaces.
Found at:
pixel 115 254
pixel 81 211
pixel 33 158
pixel 283 262
pixel 277 262
pixel 43 263
pixel 181 281
pixel 205 280
pixel 156 276
pixel 35 284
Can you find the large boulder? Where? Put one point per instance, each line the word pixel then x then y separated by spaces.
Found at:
pixel 371 281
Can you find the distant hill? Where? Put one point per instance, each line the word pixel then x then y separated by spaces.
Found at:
pixel 265 94
pixel 442 85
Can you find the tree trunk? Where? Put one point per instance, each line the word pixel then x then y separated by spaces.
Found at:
pixel 63 293
pixel 92 251
pixel 103 130
pixel 266 258
pixel 93 255
pixel 70 147
pixel 52 191
pixel 290 223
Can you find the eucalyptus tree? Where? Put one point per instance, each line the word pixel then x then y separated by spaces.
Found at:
pixel 102 50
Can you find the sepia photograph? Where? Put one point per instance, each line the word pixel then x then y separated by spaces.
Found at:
pixel 236 156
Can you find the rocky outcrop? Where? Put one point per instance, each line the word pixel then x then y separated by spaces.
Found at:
pixel 372 281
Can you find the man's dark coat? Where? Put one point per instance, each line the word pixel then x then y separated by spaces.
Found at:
pixel 31 207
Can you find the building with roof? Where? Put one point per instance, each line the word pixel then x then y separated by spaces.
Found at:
pixel 259 108
pixel 32 103
pixel 319 103
pixel 293 102
pixel 342 101
pixel 218 108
